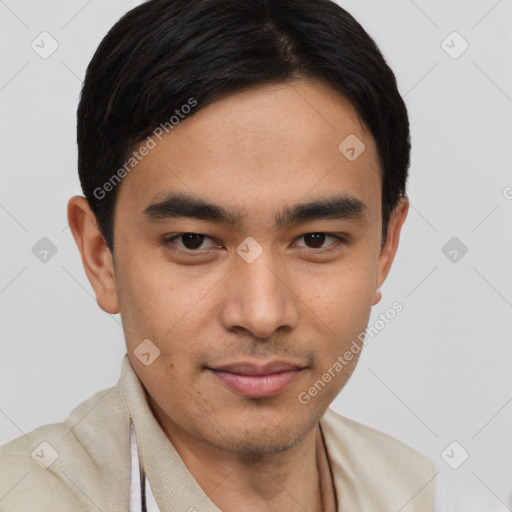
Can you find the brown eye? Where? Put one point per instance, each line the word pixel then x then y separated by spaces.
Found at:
pixel 314 240
pixel 321 242
pixel 192 240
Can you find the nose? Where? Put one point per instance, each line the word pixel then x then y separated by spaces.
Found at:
pixel 259 298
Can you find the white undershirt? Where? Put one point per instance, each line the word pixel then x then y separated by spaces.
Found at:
pixel 135 487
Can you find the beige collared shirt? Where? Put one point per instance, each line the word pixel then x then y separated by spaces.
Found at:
pixel 84 462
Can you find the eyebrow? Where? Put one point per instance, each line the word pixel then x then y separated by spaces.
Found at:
pixel 182 205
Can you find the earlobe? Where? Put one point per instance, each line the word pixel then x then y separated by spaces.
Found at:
pixel 96 257
pixel 389 249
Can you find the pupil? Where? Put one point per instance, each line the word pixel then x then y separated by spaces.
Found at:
pixel 317 239
pixel 192 241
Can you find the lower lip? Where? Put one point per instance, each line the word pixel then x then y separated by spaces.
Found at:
pixel 257 386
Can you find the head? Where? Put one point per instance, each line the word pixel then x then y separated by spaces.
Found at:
pixel 244 165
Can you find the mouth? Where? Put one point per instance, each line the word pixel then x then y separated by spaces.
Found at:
pixel 253 380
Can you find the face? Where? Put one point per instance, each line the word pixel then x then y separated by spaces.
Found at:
pixel 252 297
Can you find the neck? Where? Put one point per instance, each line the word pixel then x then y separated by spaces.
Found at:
pixel 269 482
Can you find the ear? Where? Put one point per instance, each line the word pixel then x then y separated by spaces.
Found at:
pixel 388 251
pixel 96 257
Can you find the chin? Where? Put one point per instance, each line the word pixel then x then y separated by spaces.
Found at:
pixel 259 436
pixel 255 444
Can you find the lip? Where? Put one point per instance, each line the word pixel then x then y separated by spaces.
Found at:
pixel 253 380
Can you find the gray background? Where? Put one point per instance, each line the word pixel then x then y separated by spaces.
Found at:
pixel 437 373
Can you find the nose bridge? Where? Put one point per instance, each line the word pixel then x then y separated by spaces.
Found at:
pixel 259 299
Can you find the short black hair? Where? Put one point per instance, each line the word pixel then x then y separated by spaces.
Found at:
pixel 164 54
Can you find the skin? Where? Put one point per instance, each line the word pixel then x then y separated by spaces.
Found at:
pixel 253 152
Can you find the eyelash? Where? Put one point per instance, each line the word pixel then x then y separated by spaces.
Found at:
pixel 168 242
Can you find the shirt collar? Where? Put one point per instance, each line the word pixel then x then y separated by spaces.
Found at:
pixel 173 485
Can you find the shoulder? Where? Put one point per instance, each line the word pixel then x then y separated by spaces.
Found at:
pixel 378 465
pixel 367 438
pixel 62 466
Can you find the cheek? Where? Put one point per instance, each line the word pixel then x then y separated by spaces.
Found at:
pixel 341 304
pixel 342 295
pixel 169 388
pixel 169 308
pixel 145 299
pixel 147 288
pixel 139 293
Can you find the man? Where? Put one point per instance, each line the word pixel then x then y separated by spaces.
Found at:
pixel 244 165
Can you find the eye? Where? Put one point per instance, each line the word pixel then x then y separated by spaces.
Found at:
pixel 315 241
pixel 194 243
pixel 189 242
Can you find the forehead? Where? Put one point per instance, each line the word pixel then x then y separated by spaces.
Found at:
pixel 256 147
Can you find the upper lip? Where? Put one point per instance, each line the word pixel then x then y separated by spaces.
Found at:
pixel 252 368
